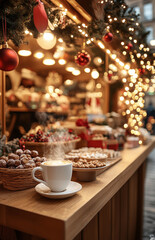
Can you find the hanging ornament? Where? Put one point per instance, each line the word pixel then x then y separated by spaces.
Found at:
pixel 40 17
pixel 8 59
pixel 130 46
pixel 82 58
pixel 108 37
pixel 141 70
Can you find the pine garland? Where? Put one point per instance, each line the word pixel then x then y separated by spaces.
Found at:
pixel 8 147
pixel 19 16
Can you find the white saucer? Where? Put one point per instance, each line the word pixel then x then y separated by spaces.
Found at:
pixel 72 188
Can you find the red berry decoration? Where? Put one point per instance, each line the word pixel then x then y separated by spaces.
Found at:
pixel 141 70
pixel 130 46
pixel 82 58
pixel 108 37
pixel 110 76
pixel 40 17
pixel 8 59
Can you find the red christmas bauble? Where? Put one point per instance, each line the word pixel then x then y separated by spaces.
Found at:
pixel 82 58
pixel 130 46
pixel 40 17
pixel 141 70
pixel 8 59
pixel 108 37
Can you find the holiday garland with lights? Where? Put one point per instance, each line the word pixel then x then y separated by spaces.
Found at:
pixel 118 24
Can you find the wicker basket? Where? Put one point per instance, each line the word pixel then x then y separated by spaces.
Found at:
pixel 47 148
pixel 18 179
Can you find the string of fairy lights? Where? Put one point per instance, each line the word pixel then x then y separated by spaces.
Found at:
pixel 135 82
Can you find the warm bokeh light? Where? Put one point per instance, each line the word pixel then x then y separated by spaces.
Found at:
pixel 62 61
pixel 95 74
pixel 48 61
pixel 76 72
pixel 38 55
pixel 24 53
pixel 87 70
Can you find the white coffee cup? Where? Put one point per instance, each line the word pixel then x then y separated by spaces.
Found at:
pixel 56 174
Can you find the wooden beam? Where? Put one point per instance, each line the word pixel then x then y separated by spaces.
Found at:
pixel 3 117
pixel 71 12
pixel 80 9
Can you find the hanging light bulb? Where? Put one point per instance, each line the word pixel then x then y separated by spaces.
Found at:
pixel 95 74
pixel 70 67
pixel 48 60
pixel 24 53
pixel 76 72
pixel 68 82
pixel 47 40
pixel 24 50
pixel 87 70
pixel 62 61
pixel 38 55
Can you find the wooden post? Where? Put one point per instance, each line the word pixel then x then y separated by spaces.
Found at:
pixel 106 92
pixel 3 117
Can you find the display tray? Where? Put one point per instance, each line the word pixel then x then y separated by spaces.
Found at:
pixel 89 174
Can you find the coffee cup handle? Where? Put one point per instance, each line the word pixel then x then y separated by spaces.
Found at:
pixel 34 177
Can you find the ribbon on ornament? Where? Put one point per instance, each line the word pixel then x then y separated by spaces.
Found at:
pixel 40 17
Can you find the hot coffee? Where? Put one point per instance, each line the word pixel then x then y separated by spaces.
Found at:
pixel 56 174
pixel 56 162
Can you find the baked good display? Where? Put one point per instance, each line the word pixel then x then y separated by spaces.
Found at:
pixel 21 159
pixel 91 157
pixel 16 169
pixel 50 141
pixel 83 163
pixel 50 135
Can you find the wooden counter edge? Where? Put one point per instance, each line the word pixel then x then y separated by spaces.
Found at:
pixel 23 221
pixel 90 209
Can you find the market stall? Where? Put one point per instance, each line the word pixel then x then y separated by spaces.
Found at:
pixel 73 146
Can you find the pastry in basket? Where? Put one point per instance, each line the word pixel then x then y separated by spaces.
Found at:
pixel 21 159
pixel 16 169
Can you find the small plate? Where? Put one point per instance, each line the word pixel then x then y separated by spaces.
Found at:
pixel 72 188
pixel 89 169
pixel 89 174
pixel 109 162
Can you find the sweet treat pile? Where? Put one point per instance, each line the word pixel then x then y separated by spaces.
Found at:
pixel 82 163
pixel 51 136
pixel 21 159
pixel 91 157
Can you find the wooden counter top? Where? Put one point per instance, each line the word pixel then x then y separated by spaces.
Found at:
pixel 29 212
